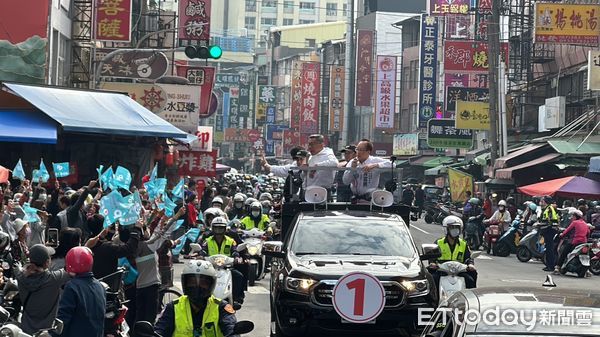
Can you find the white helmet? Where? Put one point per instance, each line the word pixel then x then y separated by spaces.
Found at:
pixel 198 268
pixel 452 220
pixel 217 200
pixel 502 203
pixel 256 205
pixel 249 202
pixel 575 211
pixel 239 197
pixel 265 196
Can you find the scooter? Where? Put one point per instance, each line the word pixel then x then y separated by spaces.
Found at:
pixel 451 283
pixel 491 235
pixel 146 329
pixel 13 330
pixel 595 262
pixel 254 239
pixel 431 212
pixel 532 246
pixel 578 261
pixel 116 311
pixel 509 241
pixel 473 232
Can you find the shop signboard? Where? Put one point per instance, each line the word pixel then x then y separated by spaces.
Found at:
pixel 113 20
pixel 454 94
pixel 205 78
pixel 296 104
pixel 473 115
pixel 266 99
pixel 441 133
pixel 449 7
pixel 182 106
pixel 194 21
pixel 386 92
pixel 460 184
pixel 468 56
pixel 406 144
pixel 311 92
pixel 205 139
pixel 364 67
pixel 151 96
pixel 593 82
pixel 197 163
pixel 275 132
pixel 337 85
pixel 134 64
pixel 428 73
pixel 291 138
pixel 563 23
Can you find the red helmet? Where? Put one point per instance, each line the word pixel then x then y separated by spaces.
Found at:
pixel 79 260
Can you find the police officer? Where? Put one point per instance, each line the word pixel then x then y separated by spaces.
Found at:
pixel 197 312
pixel 256 218
pixel 237 211
pixel 453 248
pixel 220 244
pixel 549 228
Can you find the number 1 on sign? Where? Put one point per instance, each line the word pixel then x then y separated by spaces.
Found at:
pixel 359 295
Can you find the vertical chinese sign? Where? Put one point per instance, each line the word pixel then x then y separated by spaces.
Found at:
pixel 296 96
pixel 194 21
pixel 113 20
pixel 336 98
pixel 291 138
pixel 234 107
pixel 364 67
pixel 311 89
pixel 386 92
pixel 205 78
pixel 567 23
pixel 265 101
pixel 428 65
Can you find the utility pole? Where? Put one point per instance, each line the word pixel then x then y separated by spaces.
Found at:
pixel 494 52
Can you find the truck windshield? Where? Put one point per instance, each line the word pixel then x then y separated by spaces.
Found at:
pixel 352 237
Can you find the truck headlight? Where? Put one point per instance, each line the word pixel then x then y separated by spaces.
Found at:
pixel 298 285
pixel 415 288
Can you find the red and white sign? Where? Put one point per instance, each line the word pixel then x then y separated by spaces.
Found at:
pixel 291 138
pixel 205 139
pixel 296 105
pixel 194 21
pixel 386 92
pixel 468 56
pixel 202 76
pixel 113 20
pixel 358 297
pixel 198 164
pixel 253 135
pixel 311 89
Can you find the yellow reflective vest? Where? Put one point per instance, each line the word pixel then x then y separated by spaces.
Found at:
pixel 460 249
pixel 249 223
pixel 550 215
pixel 225 249
pixel 184 324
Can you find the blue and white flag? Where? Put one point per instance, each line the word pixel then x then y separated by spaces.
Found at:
pixel 113 207
pixel 168 205
pixel 122 178
pixel 193 234
pixel 61 170
pixel 154 173
pixel 30 213
pixel 134 204
pixel 18 172
pixel 42 173
pixel 155 188
pixel 99 170
pixel 107 179
pixel 179 190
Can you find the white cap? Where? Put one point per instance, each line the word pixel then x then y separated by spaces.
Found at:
pixel 19 224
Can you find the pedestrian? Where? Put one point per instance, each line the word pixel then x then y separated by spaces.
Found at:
pixel 419 199
pixel 408 195
pixel 83 302
pixel 39 290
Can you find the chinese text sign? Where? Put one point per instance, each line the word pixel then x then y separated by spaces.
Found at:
pixel 194 21
pixel 428 73
pixel 311 89
pixel 566 23
pixel 337 86
pixel 364 67
pixel 386 92
pixel 113 20
pixel 472 115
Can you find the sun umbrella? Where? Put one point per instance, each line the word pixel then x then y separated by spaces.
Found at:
pixel 569 187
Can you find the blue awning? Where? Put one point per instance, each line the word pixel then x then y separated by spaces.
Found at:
pixel 25 126
pixel 100 112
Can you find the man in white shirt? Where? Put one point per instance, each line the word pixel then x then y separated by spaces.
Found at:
pixel 365 180
pixel 320 156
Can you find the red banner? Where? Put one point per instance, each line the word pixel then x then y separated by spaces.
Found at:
pixel 113 20
pixel 291 138
pixel 296 96
pixel 337 85
pixel 311 89
pixel 197 164
pixel 194 21
pixel 468 56
pixel 364 67
pixel 203 76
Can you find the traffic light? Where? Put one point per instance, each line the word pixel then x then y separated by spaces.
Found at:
pixel 203 52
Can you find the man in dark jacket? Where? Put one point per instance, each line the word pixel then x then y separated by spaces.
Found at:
pixel 39 290
pixel 108 252
pixel 76 216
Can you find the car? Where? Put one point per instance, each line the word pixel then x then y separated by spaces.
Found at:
pixel 521 311
pixel 322 245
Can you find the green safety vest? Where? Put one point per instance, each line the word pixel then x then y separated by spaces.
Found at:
pixel 184 324
pixel 550 214
pixel 225 249
pixel 448 255
pixel 249 223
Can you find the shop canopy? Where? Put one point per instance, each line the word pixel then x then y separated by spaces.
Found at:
pixel 569 187
pixel 26 127
pixel 98 112
pixel 431 161
pixel 507 173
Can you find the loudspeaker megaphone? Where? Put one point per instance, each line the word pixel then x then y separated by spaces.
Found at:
pixel 315 195
pixel 382 198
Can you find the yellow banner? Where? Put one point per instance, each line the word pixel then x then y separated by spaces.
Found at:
pixel 567 23
pixel 472 115
pixel 460 183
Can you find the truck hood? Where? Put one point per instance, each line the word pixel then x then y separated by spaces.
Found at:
pixel 334 266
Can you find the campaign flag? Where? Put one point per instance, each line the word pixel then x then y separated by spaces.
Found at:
pixel 30 213
pixel 122 178
pixel 18 172
pixel 133 204
pixel 113 207
pixel 191 235
pixel 179 190
pixel 154 173
pixel 178 224
pixel 61 170
pixel 155 187
pixel 107 179
pixel 168 205
pixel 99 170
pixel 41 174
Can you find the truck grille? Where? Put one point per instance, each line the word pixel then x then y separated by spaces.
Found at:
pixel 394 294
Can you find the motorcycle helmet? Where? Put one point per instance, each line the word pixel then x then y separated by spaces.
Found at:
pixel 265 196
pixel 218 201
pixel 219 225
pixel 533 206
pixel 474 201
pixel 249 202
pixel 575 212
pixel 198 281
pixel 510 200
pixel 79 260
pixel 581 202
pixel 256 209
pixel 453 225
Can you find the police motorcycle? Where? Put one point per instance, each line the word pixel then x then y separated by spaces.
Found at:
pixel 145 329
pixel 254 240
pixel 509 241
pixel 223 265
pixel 451 282
pixel 12 330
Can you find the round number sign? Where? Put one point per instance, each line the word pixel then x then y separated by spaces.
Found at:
pixel 358 297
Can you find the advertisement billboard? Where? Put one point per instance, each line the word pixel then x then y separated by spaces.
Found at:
pixel 428 73
pixel 386 92
pixel 194 21
pixel 567 23
pixel 311 89
pixel 113 20
pixel 364 67
pixel 337 85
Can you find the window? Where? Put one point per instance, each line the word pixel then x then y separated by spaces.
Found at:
pixel 345 11
pixel 307 7
pixel 405 78
pixel 250 5
pixel 269 3
pixel 414 74
pixel 310 43
pixel 250 23
pixel 331 9
pixel 268 21
pixel 288 7
pixel 288 22
pixel 414 117
pixel 306 22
